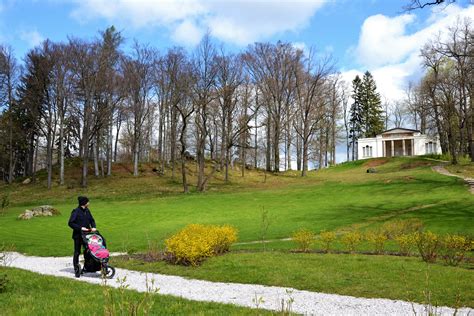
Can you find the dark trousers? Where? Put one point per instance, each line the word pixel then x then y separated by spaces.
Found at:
pixel 77 250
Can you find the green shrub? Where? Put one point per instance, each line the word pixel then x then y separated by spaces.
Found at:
pixel 428 245
pixel 394 229
pixel 327 238
pixel 196 242
pixel 405 243
pixel 303 238
pixel 454 248
pixel 377 239
pixel 351 240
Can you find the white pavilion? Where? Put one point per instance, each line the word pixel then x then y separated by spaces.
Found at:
pixel 398 142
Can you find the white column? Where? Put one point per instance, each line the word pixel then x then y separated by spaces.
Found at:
pixel 413 147
pixel 404 150
pixel 383 148
pixel 393 148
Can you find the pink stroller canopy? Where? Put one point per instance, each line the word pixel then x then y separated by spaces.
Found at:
pixel 95 243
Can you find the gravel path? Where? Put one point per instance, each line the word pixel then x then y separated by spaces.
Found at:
pixel 303 302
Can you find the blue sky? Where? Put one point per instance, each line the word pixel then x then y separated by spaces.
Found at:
pixel 361 35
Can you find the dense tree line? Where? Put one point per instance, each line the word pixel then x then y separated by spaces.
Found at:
pixel 265 107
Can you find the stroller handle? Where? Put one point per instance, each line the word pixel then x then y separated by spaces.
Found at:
pixel 89 230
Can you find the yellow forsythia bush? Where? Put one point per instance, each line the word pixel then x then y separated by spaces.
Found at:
pixel 428 245
pixel 196 242
pixel 405 243
pixel 377 239
pixel 455 248
pixel 351 240
pixel 327 238
pixel 303 238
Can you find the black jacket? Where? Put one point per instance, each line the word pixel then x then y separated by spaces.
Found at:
pixel 80 218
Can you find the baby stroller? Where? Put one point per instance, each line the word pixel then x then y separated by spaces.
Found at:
pixel 96 255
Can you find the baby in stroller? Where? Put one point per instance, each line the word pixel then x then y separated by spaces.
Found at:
pixel 96 255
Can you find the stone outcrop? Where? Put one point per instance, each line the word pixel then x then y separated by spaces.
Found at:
pixel 45 210
pixel 371 170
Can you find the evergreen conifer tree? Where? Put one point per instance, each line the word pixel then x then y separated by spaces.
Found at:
pixel 372 112
pixel 356 119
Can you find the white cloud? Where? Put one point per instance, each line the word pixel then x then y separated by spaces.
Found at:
pixel 391 54
pixel 239 22
pixel 301 46
pixel 33 38
pixel 187 32
pixel 383 40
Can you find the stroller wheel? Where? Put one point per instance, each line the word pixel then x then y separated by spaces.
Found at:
pixel 108 272
pixel 77 270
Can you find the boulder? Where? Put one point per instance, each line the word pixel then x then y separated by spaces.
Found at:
pixel 26 215
pixel 44 210
pixel 27 181
pixel 371 170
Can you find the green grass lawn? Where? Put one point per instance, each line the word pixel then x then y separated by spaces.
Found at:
pixel 33 294
pixel 346 197
pixel 133 213
pixel 403 278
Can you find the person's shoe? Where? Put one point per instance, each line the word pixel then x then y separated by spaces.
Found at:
pixel 77 271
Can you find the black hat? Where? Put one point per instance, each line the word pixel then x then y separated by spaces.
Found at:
pixel 82 200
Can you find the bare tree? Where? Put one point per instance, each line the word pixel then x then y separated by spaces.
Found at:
pixel 310 79
pixel 228 80
pixel 111 90
pixel 345 94
pixel 273 68
pixel 85 69
pixel 205 71
pixel 138 85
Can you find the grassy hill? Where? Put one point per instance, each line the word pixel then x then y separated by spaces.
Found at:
pixel 136 212
pixel 133 210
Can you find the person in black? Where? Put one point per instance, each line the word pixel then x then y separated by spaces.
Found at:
pixel 81 220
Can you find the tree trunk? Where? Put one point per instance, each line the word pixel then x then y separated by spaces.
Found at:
pixel 161 132
pixel 173 141
pixel 109 145
pixel 49 156
pixel 298 153
pixel 119 125
pixel 30 156
pixel 243 156
pixel 136 153
pixel 85 163
pixel 35 160
pixel 305 157
pixel 61 149
pixel 183 158
pixel 95 153
pixel 256 143
pixel 276 147
pixel 102 173
pixel 223 140
pixel 269 146
pixel 288 147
